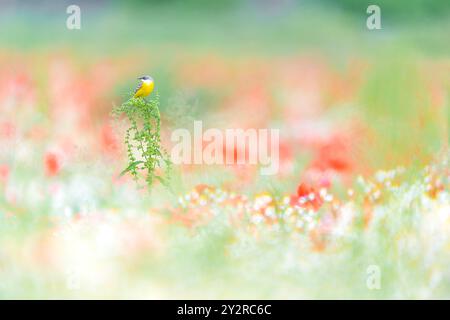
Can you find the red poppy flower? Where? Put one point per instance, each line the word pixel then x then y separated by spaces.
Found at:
pixel 304 190
pixel 52 164
pixel 4 173
pixel 108 139
pixel 308 197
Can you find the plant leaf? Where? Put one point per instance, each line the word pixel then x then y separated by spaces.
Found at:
pixel 132 166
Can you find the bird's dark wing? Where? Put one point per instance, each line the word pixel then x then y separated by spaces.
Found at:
pixel 138 87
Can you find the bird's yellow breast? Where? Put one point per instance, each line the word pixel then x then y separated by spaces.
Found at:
pixel 145 89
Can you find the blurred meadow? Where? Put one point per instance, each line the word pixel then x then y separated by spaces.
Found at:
pixel 364 177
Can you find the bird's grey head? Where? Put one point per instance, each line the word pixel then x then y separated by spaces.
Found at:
pixel 146 78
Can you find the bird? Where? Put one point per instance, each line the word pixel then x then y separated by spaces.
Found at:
pixel 145 87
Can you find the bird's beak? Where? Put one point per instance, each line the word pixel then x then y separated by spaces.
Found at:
pixel 140 78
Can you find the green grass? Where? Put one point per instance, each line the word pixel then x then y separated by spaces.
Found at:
pixel 122 243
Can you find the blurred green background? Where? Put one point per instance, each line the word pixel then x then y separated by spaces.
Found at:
pixel 347 100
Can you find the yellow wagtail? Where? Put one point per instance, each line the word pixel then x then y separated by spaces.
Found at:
pixel 145 88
